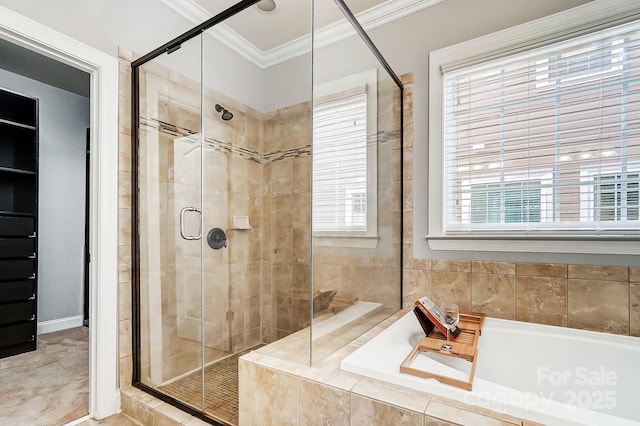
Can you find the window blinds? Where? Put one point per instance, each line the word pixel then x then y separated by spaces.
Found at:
pixel 558 123
pixel 339 163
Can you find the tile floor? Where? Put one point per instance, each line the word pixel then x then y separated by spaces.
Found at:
pixel 220 389
pixel 117 420
pixel 50 386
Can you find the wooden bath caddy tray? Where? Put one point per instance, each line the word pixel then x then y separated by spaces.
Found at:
pixel 465 347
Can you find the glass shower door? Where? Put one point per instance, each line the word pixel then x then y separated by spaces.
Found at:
pixel 169 223
pixel 231 246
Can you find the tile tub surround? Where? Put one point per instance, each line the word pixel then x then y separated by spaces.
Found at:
pixel 590 297
pixel 325 394
pixel 278 392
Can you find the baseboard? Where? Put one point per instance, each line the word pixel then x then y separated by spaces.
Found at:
pixel 45 327
pixel 79 421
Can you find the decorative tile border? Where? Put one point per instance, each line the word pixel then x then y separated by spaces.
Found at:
pixel 170 129
pixel 385 136
pixel 298 152
pixel 226 147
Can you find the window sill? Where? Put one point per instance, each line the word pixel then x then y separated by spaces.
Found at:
pixel 538 244
pixel 354 241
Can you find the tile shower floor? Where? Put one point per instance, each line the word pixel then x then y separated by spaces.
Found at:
pixel 49 386
pixel 220 390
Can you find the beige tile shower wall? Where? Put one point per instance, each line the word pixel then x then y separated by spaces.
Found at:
pixel 372 274
pixel 124 219
pixel 286 213
pixel 593 297
pixel 169 180
pixel 238 181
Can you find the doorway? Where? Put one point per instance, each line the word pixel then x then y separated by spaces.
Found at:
pixel 49 378
pixel 104 397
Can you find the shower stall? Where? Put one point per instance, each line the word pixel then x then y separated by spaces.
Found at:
pixel 267 182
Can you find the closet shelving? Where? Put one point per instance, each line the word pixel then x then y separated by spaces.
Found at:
pixel 18 223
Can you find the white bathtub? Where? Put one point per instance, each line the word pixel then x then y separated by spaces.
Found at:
pixel 551 375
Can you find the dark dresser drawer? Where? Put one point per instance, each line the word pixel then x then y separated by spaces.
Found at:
pixel 16 226
pixel 17 247
pixel 19 333
pixel 16 269
pixel 12 291
pixel 17 312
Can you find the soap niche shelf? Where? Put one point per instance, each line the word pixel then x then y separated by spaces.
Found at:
pixel 241 222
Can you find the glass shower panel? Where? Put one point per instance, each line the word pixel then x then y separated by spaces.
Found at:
pixel 268 213
pixel 169 223
pixel 356 181
pixel 257 121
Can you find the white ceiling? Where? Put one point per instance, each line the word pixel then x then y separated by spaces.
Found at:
pixel 269 38
pixel 290 20
pixel 27 63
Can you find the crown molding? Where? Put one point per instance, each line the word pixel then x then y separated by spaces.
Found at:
pixel 377 16
pixel 189 9
pixel 391 10
pixel 225 35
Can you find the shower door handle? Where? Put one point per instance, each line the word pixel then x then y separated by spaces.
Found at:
pixel 182 232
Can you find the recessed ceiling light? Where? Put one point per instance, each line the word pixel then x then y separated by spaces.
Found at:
pixel 266 5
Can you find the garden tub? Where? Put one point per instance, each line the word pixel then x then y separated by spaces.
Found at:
pixel 552 375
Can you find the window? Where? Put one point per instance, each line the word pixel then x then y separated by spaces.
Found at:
pixel 344 157
pixel 567 110
pixel 565 68
pixel 511 202
pixel 340 162
pixel 617 198
pixel 356 207
pixel 494 200
pixel 610 195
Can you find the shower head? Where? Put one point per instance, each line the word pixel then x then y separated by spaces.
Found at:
pixel 226 114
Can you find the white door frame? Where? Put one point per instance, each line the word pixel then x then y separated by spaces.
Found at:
pixel 104 393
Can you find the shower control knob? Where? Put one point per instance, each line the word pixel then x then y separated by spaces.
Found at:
pixel 217 239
